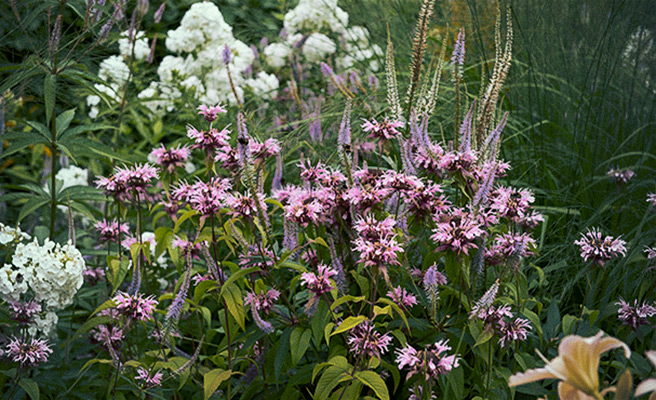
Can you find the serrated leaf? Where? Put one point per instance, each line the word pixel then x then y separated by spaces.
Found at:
pixel 348 324
pixel 375 382
pixel 39 128
pixel 213 379
pixel 63 121
pixel 232 296
pixel 328 381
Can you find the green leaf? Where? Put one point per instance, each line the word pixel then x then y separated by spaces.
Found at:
pixel 93 322
pixel 484 337
pixel 239 274
pixel 535 320
pixel 41 129
pixel 348 324
pixel 31 206
pixel 299 341
pixel 232 296
pixel 328 381
pixel 201 288
pixel 188 214
pixel 21 144
pixel 281 354
pixel 70 133
pixel 49 90
pixel 30 387
pixel 213 379
pixel 104 306
pixel 63 121
pixel 375 382
pixel 119 269
pixel 344 299
pixel 396 308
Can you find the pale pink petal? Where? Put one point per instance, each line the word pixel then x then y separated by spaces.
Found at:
pixel 531 375
pixel 645 387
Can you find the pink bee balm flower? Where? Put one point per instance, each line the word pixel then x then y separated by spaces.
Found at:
pixel 149 381
pixel 600 250
pixel 135 306
pixel 210 113
pixel 319 283
pixel 170 159
pixel 621 177
pixel 187 247
pixel 384 130
pixel 457 232
pixel 401 296
pixel 364 339
pixel 209 140
pixel 24 313
pixel 651 199
pixel 512 331
pixel 635 315
pixel 32 353
pixel 262 301
pixel 432 360
pixel 378 252
pixel 111 231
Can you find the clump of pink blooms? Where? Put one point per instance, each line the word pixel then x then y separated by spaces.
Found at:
pixel 170 159
pixel 635 315
pixel 318 283
pixel 457 231
pixel 402 297
pixel 384 130
pixel 126 182
pixel 147 379
pixel 599 250
pixel 24 312
pixel 364 339
pixel 651 199
pixel 111 231
pixel 432 361
pixel 621 177
pixel 27 352
pixel 262 302
pixel 136 306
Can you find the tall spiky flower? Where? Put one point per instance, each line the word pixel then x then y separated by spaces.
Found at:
pixel 490 97
pixel 428 96
pixel 466 129
pixel 392 85
pixel 419 46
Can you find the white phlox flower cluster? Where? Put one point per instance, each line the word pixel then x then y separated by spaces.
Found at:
pixel 73 176
pixel 115 72
pixel 198 65
pixel 317 27
pixel 52 272
pixel 359 49
pixel 11 235
pixel 128 46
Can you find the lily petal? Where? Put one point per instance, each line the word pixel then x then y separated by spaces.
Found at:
pixel 531 375
pixel 645 387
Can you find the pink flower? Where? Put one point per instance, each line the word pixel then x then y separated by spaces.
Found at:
pixel 138 177
pixel 364 339
pixel 93 275
pixel 110 231
pixel 429 157
pixel 457 232
pixel 24 312
pixel 384 130
pixel 455 162
pixel 210 112
pixel 378 252
pixel 517 329
pixel 32 353
pixel 149 381
pixel 209 140
pixel 651 199
pixel 621 177
pixel 319 283
pixel 135 306
pixel 262 151
pixel 635 315
pixel 262 301
pixel 241 205
pixel 427 200
pixel 401 296
pixel 372 229
pixel 432 360
pixel 186 247
pixel 206 198
pixel 303 207
pixel 312 173
pixel 172 158
pixel 600 250
pixel 511 203
pixel 509 246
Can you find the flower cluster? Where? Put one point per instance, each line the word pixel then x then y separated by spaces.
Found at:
pixel 11 235
pixel 635 315
pixel 136 306
pixel 128 183
pixel 621 177
pixel 598 249
pixel 432 361
pixel 32 352
pixel 364 339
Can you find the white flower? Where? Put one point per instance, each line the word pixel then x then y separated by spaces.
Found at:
pixel 317 47
pixel 12 284
pixel 9 234
pixel 53 272
pixel 150 238
pixel 265 86
pixel 141 48
pixel 189 167
pixel 315 15
pixel 277 54
pixel 44 325
pixel 114 70
pixel 73 176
